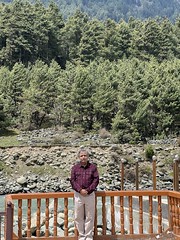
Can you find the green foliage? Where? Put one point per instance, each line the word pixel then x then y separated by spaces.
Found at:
pixel 5 169
pixel 8 138
pixel 10 141
pixel 81 97
pixel 2 165
pixel 169 161
pixel 41 170
pixel 146 169
pixel 29 32
pixel 103 133
pixel 149 152
pixel 88 74
pixel 4 123
pixel 58 140
pixel 72 34
pixel 92 42
pixel 121 9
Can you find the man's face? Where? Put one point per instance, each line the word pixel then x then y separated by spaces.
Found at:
pixel 83 157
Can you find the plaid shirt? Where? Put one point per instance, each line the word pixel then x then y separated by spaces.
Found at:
pixel 84 177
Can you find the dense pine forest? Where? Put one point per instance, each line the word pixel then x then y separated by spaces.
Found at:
pixel 86 74
pixel 122 9
pixel 118 9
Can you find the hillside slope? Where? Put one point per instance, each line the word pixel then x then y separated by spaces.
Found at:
pixel 119 9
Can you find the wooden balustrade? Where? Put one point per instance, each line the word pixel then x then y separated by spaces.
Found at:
pixel 154 170
pixel 119 214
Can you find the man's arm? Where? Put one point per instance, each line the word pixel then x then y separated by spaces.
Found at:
pixel 74 184
pixel 95 181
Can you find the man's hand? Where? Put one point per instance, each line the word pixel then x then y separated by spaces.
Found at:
pixel 84 192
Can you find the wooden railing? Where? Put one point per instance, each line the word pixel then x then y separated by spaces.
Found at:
pixel 119 215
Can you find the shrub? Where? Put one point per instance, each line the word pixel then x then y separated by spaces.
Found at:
pixel 130 175
pixel 145 169
pixel 103 133
pixel 2 166
pixel 149 152
pixel 58 140
pixel 76 135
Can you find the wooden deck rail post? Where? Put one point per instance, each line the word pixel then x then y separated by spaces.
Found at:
pixel 176 173
pixel 154 158
pixel 137 174
pixel 122 174
pixel 9 221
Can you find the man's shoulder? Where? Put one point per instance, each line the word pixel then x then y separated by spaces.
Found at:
pixel 92 164
pixel 76 164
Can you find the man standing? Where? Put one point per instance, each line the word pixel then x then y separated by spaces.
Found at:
pixel 84 180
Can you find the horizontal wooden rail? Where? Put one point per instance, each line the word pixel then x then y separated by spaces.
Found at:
pixel 119 215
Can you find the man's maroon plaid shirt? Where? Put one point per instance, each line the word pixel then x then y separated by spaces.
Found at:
pixel 84 177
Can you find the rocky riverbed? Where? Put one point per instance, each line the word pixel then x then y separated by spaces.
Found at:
pixel 44 160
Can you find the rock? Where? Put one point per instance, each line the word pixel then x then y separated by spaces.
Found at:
pixel 47 168
pixel 31 186
pixel 22 180
pixel 60 222
pixel 24 157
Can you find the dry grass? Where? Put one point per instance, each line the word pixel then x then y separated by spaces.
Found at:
pixel 103 133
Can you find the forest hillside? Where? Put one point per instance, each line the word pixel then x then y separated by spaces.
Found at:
pixel 87 74
pixel 119 9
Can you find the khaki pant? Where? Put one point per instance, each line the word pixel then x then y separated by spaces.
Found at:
pixel 84 215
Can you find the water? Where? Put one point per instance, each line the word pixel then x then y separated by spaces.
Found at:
pixel 2 203
pixel 2 209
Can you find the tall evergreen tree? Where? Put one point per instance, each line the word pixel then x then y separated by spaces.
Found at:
pixel 146 42
pixel 73 33
pixel 63 104
pixel 55 26
pixel 167 41
pixel 105 94
pixel 118 41
pixel 82 91
pixel 4 122
pixel 16 31
pixel 177 38
pixel 38 97
pixel 92 41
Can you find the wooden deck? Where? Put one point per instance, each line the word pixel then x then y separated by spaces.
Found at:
pixel 119 215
